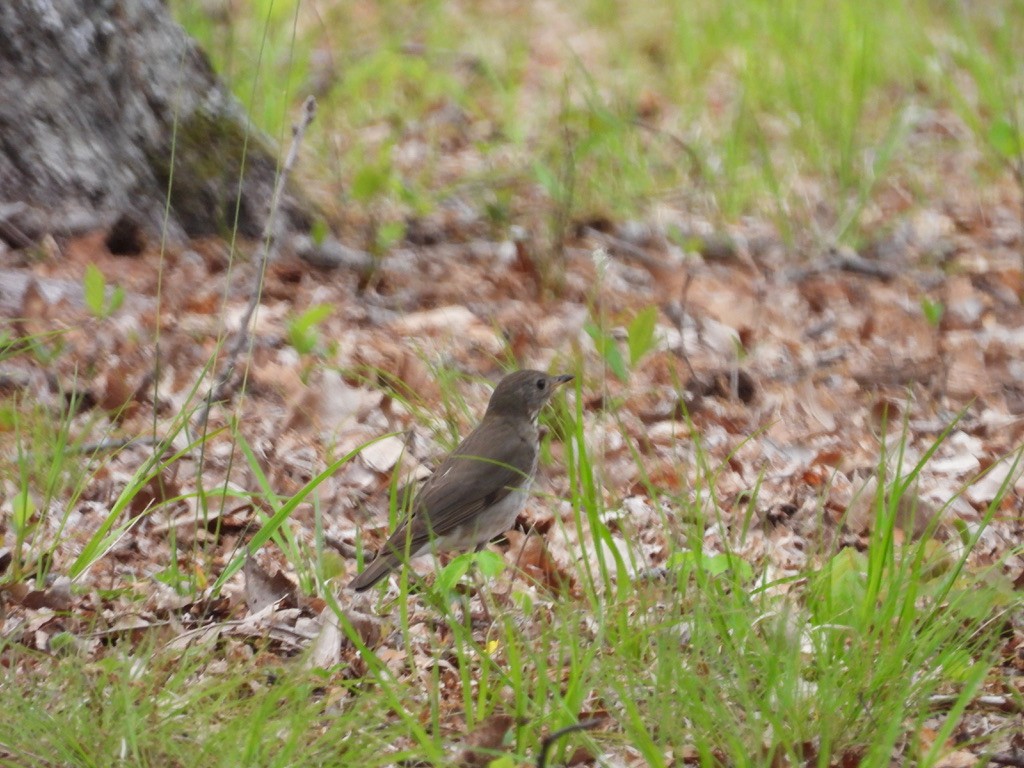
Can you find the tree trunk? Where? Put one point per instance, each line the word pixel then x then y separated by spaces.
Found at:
pixel 111 116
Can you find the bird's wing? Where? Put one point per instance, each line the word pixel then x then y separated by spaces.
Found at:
pixel 458 490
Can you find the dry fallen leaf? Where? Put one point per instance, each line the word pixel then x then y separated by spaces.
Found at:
pixel 262 589
pixel 484 744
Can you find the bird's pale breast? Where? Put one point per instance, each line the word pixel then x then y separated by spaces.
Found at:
pixel 493 521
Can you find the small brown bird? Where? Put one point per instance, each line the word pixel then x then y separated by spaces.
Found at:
pixel 481 486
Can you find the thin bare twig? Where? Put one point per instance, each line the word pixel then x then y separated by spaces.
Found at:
pixel 223 388
pixel 1014 759
pixel 100 446
pixel 843 260
pixel 626 248
pixel 676 312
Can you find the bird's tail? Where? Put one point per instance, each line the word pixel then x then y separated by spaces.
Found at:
pixel 382 565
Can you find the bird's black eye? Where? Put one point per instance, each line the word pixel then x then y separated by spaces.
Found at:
pixel 541 384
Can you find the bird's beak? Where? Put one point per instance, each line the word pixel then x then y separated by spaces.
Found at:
pixel 563 379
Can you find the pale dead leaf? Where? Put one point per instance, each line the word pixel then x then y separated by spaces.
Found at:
pixel 817 404
pixel 719 338
pixel 280 377
pixel 455 322
pixel 338 404
pixel 130 622
pixel 1007 473
pixel 326 650
pixel 961 758
pixel 262 589
pixel 56 597
pixel 204 636
pixel 968 375
pixel 957 465
pixel 382 455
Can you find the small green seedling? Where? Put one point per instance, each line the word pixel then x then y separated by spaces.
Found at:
pixel 302 330
pixel 490 564
pixel 641 333
pixel 101 302
pixel 1006 139
pixel 319 231
pixel 640 340
pixel 933 311
pixel 389 234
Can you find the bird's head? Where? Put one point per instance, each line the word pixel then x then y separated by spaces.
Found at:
pixel 524 393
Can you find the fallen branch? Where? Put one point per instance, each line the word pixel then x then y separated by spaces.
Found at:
pixel 224 387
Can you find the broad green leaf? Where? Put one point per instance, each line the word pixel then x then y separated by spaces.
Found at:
pixel 1006 139
pixel 369 182
pixel 116 300
pixel 23 509
pixel 94 286
pixel 609 350
pixel 319 231
pixel 932 310
pixel 718 564
pixel 450 575
pixel 641 333
pixel 490 563
pixel 316 314
pixel 390 233
pixel 302 329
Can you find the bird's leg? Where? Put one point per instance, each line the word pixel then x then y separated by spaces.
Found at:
pixel 478 580
pixel 516 571
pixel 505 598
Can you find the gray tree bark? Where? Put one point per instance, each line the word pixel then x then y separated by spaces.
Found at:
pixel 111 116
